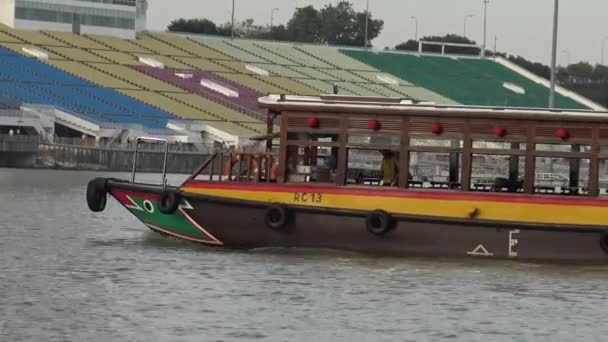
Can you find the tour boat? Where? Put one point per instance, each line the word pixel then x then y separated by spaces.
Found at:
pixel 472 181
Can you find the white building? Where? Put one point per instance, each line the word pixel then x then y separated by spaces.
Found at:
pixel 122 18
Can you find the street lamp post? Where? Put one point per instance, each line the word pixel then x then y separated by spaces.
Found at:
pixel 553 55
pixel 272 17
pixel 485 26
pixel 232 25
pixel 465 23
pixel 603 45
pixel 416 21
pixel 366 23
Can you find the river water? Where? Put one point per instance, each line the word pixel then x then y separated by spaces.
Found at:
pixel 67 274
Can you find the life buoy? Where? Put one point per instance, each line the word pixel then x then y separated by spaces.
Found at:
pixel 604 241
pixel 276 216
pixel 253 166
pixel 97 194
pixel 168 202
pixel 379 222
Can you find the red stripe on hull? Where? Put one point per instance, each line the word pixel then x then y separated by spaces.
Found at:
pixel 410 193
pixel 121 195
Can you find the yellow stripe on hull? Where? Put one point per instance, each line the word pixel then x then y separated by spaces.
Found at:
pixel 517 212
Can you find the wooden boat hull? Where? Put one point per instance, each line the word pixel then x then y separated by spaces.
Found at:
pixel 240 223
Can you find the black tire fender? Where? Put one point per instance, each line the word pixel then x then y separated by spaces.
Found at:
pixel 168 202
pixel 604 241
pixel 379 222
pixel 276 216
pixel 97 194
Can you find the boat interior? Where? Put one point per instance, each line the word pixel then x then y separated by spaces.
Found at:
pixel 344 141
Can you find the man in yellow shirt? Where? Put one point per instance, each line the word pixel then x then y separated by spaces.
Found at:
pixel 390 168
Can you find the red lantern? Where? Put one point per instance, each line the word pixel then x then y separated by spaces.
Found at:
pixel 500 131
pixel 313 122
pixel 436 128
pixel 373 124
pixel 562 133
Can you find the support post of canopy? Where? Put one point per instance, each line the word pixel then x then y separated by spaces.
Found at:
pixel 467 158
pixel 594 163
pixel 530 161
pixel 575 165
pixel 404 155
pixel 342 159
pixel 514 165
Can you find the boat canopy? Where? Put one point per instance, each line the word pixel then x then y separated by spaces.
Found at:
pixel 349 140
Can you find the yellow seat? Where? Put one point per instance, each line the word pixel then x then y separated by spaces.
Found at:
pixel 118 57
pixel 167 104
pixel 201 63
pixel 118 44
pixel 92 74
pixel 75 54
pixel 160 47
pixel 75 40
pixel 133 76
pixel 191 46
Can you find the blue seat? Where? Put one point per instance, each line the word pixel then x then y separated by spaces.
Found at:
pixel 32 81
pixel 22 94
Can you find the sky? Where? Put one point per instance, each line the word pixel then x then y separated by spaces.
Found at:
pixel 522 27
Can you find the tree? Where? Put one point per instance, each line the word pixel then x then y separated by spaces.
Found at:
pixel 410 45
pixel 374 28
pixel 202 26
pixel 581 70
pixel 338 25
pixel 278 32
pixel 342 25
pixel 305 25
pixel 600 73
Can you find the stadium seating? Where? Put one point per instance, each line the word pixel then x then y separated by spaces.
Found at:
pixel 30 81
pixel 468 81
pixel 108 61
pixel 105 78
pixel 244 101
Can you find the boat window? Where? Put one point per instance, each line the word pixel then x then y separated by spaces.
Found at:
pixel 497 166
pixel 499 173
pixel 373 167
pixel 311 157
pixel 435 170
pixel 435 162
pixel 563 148
pixel 364 167
pixel 454 143
pixel 565 176
pixel 498 145
pixel 373 142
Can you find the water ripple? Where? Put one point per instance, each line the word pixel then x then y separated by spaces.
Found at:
pixel 68 274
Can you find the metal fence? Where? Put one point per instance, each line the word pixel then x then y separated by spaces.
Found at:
pixel 16 139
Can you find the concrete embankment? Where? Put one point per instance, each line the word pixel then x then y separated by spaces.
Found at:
pixel 70 157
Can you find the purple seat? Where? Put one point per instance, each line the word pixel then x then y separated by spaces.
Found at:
pixel 246 102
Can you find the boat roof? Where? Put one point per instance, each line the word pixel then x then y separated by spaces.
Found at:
pixel 394 105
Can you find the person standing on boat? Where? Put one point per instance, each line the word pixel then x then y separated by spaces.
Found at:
pixel 390 168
